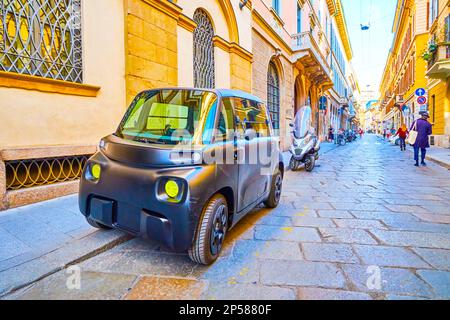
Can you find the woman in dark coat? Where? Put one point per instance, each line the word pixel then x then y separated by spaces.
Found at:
pixel 424 130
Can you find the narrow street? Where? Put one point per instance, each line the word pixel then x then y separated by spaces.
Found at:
pixel 365 224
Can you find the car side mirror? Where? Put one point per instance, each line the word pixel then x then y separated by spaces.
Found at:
pixel 249 134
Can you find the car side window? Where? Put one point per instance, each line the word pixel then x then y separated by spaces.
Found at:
pixel 252 116
pixel 225 126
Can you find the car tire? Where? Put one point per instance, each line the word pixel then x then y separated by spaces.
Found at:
pixel 275 191
pixel 97 225
pixel 211 230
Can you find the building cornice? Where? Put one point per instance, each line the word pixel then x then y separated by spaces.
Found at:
pixel 332 7
pixel 226 46
pixel 342 27
pixel 187 23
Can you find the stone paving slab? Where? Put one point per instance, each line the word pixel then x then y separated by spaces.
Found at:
pixel 301 273
pixel 346 235
pixel 149 288
pixel 438 258
pixel 413 239
pixel 329 252
pixel 295 234
pixel 393 281
pixel 438 280
pixel 93 286
pixel 389 257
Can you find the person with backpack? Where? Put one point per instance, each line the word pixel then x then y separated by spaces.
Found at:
pixel 422 129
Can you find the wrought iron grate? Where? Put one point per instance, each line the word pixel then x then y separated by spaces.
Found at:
pixel 41 38
pixel 273 95
pixel 204 73
pixel 22 174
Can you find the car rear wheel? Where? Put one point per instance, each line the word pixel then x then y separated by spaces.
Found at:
pixel 211 231
pixel 97 225
pixel 275 191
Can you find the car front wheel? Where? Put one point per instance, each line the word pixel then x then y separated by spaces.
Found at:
pixel 211 231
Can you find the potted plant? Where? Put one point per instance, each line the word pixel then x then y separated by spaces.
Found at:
pixel 427 55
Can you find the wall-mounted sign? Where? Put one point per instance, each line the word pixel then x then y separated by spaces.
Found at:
pixel 421 100
pixel 420 92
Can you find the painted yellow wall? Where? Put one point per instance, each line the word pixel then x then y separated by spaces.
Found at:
pixel 152 48
pixel 32 118
pixel 440 93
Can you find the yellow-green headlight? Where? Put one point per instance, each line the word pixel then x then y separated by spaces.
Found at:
pixel 172 189
pixel 96 171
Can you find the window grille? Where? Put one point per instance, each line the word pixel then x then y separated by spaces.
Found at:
pixel 273 95
pixel 41 38
pixel 204 73
pixel 22 174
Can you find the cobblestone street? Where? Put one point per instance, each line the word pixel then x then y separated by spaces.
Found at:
pixel 365 224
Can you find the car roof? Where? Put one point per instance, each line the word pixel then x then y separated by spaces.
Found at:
pixel 227 93
pixel 224 93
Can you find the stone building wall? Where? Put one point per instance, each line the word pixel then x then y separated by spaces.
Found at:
pixel 152 53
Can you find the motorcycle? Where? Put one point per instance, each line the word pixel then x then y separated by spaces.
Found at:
pixel 341 138
pixel 305 144
pixel 350 136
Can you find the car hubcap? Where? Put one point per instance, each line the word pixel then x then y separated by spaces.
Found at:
pixel 219 229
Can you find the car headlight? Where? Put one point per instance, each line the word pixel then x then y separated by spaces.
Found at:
pixel 172 189
pixel 96 171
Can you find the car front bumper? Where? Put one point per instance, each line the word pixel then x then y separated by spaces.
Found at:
pixel 126 198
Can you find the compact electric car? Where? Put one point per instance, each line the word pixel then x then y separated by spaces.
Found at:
pixel 183 167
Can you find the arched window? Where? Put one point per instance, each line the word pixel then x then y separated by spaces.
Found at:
pixel 204 75
pixel 273 95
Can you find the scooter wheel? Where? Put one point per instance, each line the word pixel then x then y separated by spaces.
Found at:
pixel 310 163
pixel 293 164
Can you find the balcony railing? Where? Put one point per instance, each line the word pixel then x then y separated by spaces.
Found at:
pixel 305 41
pixel 439 65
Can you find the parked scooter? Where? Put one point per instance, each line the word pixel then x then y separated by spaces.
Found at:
pixel 350 136
pixel 305 144
pixel 341 138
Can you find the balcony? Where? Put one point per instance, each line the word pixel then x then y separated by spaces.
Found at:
pixel 307 52
pixel 439 65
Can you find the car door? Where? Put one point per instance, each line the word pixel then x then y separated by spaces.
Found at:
pixel 251 182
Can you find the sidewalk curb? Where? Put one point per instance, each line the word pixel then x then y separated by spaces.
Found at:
pixel 117 238
pixel 436 161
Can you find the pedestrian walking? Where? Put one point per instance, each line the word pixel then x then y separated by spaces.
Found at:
pixel 402 133
pixel 384 134
pixel 361 132
pixel 424 130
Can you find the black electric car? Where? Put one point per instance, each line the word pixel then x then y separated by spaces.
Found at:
pixel 183 167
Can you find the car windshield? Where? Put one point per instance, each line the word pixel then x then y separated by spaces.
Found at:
pixel 170 117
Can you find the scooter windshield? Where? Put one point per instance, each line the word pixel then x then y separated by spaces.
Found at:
pixel 302 122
